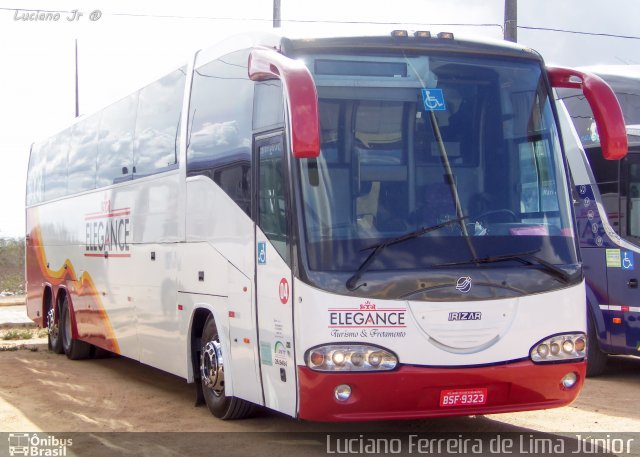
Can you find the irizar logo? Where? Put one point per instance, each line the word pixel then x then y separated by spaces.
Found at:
pixel 464 284
pixel 465 316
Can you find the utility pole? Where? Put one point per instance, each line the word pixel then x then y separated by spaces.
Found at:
pixel 276 14
pixel 511 20
pixel 77 101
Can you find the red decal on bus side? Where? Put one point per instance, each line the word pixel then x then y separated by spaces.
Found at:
pixel 91 319
pixel 283 291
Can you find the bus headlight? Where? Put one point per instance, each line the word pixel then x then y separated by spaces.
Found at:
pixel 350 357
pixel 568 346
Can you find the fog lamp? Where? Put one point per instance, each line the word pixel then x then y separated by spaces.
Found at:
pixel 569 380
pixel 343 392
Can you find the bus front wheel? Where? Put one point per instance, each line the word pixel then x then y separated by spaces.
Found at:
pixel 212 377
pixel 596 359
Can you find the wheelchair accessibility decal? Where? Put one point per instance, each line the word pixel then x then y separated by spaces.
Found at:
pixel 619 259
pixel 433 100
pixel 262 253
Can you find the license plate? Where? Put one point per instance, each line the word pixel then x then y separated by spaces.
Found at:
pixel 463 397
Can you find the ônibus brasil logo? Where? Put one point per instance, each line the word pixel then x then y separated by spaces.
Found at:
pixel 32 444
pixel 464 284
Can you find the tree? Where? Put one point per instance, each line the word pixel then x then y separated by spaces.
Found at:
pixel 12 264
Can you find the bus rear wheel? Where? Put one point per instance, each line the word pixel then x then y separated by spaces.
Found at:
pixel 54 339
pixel 74 349
pixel 212 378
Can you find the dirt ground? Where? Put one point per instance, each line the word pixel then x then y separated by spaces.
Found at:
pixel 41 391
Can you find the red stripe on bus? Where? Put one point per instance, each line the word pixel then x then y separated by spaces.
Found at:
pixel 106 215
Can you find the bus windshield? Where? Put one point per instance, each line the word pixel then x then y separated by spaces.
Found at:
pixel 443 159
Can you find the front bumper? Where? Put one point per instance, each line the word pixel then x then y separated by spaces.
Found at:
pixel 411 392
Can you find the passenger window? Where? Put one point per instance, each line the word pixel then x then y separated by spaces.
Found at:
pixel 235 180
pixel 115 144
pixel 220 131
pixel 35 179
pixel 158 124
pixel 268 105
pixel 82 155
pixel 55 178
pixel 606 173
pixel 634 200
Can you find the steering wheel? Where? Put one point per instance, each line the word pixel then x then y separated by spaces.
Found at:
pixel 511 214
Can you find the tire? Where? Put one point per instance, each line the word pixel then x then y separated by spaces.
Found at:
pixel 54 338
pixel 212 378
pixel 596 359
pixel 74 349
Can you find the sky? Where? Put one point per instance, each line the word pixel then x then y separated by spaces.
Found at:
pixel 125 45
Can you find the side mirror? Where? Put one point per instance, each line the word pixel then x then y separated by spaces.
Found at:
pixel 604 104
pixel 301 97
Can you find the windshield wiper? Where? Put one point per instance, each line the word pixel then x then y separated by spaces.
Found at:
pixel 521 257
pixel 377 248
pixel 449 178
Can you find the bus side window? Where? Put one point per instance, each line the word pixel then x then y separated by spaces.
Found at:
pixel 115 144
pixel 268 111
pixel 272 203
pixel 35 178
pixel 55 178
pixel 606 173
pixel 157 126
pixel 82 155
pixel 220 126
pixel 633 205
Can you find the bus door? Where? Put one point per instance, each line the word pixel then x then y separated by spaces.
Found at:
pixel 274 297
pixel 624 263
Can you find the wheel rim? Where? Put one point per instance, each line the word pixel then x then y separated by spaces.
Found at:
pixel 52 327
pixel 212 367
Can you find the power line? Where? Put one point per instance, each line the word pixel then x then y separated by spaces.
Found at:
pixel 249 19
pixel 577 32
pixel 302 21
pixel 325 21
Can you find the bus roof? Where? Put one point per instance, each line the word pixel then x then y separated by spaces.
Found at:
pixel 297 42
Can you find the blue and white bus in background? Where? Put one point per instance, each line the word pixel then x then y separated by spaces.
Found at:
pixel 608 220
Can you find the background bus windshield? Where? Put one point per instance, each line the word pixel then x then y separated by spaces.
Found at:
pixel 392 126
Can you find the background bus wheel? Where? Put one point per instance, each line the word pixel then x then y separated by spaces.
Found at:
pixel 212 378
pixel 74 349
pixel 53 330
pixel 596 359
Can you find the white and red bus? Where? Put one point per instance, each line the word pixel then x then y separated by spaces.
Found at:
pixel 333 228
